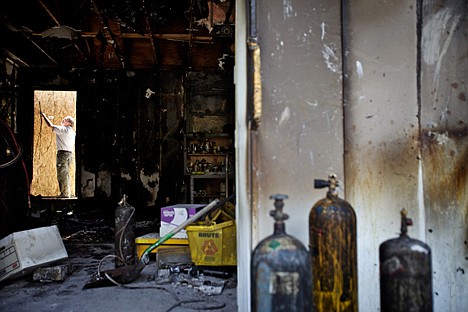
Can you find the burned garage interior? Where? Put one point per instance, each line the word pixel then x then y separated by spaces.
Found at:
pixel 131 67
pixel 234 155
pixel 150 87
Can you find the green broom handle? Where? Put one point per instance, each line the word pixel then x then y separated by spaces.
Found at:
pixel 215 203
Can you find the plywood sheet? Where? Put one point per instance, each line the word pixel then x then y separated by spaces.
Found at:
pixel 56 105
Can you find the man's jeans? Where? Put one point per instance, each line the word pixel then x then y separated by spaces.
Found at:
pixel 63 177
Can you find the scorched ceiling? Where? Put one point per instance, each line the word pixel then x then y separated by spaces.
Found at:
pixel 123 34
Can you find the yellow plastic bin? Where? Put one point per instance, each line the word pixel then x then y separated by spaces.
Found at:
pixel 213 245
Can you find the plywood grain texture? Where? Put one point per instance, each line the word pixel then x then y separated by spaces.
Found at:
pixel 56 105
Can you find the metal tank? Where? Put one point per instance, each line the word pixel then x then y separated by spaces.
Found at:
pixel 281 274
pixel 405 273
pixel 124 234
pixel 333 248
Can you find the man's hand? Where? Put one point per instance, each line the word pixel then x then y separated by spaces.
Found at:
pixel 48 122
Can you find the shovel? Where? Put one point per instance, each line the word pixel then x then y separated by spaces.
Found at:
pixel 129 273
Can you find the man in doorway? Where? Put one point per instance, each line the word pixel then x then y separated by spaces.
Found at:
pixel 65 137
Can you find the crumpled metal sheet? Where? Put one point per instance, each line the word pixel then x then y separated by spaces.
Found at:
pixel 63 32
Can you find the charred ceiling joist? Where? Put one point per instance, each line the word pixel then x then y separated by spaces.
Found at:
pixel 108 35
pixel 130 34
pixel 150 32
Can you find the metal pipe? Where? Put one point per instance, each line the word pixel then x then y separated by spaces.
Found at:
pixel 252 20
pixel 150 32
pixel 254 78
pixel 227 176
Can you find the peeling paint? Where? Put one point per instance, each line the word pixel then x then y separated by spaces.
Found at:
pixel 433 32
pixel 331 60
pixel 126 176
pixel 440 138
pixel 150 183
pixel 359 69
pixel 88 184
pixel 103 182
pixel 444 115
pixel 314 104
pixel 288 10
pixel 323 31
pixel 437 35
pixel 285 115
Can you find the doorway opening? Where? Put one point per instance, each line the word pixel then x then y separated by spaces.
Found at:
pixel 55 105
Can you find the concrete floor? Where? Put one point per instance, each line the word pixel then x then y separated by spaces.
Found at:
pixel 173 292
pixel 155 289
pixel 168 292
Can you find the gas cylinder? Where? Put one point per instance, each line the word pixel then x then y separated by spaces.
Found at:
pixel 333 248
pixel 124 234
pixel 281 274
pixel 405 273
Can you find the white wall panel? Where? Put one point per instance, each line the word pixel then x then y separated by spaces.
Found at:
pixel 444 144
pixel 381 131
pixel 300 136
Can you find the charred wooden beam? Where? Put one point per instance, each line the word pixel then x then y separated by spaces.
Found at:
pixel 15 58
pixel 49 12
pixel 25 33
pixel 171 37
pixel 148 29
pixel 109 35
pixel 229 11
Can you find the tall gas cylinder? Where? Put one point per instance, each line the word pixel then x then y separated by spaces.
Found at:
pixel 333 248
pixel 281 274
pixel 124 234
pixel 405 273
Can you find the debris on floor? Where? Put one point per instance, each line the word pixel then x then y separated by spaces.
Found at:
pixel 191 276
pixel 89 238
pixel 22 252
pixel 181 293
pixel 56 273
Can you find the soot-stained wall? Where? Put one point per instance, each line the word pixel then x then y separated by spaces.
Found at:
pixel 127 138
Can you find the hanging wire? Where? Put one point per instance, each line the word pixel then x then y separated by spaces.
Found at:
pixel 16 149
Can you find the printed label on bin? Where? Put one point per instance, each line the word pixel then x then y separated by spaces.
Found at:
pixel 176 215
pixel 208 235
pixel 172 216
pixel 209 247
